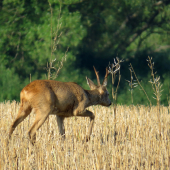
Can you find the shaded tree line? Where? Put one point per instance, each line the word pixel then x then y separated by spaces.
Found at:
pixel 36 32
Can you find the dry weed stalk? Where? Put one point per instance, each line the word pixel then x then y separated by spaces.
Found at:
pixel 132 85
pixel 132 70
pixel 157 88
pixel 155 82
pixel 113 69
pixel 52 72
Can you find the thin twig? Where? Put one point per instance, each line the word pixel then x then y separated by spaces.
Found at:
pixel 140 84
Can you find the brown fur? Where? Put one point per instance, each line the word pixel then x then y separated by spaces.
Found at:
pixel 45 97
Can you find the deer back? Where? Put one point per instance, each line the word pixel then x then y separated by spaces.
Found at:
pixel 65 96
pixel 62 95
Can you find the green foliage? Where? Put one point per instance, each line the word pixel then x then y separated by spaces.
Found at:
pixel 9 83
pixel 36 32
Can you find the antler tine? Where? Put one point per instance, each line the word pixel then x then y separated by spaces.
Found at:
pixel 97 75
pixel 107 73
pixel 105 78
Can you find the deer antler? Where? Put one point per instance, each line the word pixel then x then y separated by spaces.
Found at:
pixel 106 75
pixel 97 75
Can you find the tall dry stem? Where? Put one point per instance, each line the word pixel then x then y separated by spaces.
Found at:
pixel 132 85
pixel 113 69
pixel 157 88
pixel 52 71
pixel 140 84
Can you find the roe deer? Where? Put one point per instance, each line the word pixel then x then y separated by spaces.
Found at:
pixel 63 99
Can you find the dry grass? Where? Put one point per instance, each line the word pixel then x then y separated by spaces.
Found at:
pixel 138 145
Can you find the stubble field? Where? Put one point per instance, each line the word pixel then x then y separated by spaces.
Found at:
pixel 138 145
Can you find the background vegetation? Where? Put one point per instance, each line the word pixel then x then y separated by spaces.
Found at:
pixel 34 32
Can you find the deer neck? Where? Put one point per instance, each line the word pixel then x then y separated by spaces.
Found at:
pixel 93 96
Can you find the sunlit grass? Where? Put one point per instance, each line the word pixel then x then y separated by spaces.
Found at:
pixel 138 145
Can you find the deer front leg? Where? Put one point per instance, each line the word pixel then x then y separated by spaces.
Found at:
pixel 87 113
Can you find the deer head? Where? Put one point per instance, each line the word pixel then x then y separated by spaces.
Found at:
pixel 101 90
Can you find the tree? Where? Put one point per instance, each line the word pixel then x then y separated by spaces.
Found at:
pixel 36 32
pixel 32 33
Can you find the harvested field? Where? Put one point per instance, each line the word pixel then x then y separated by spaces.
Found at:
pixel 138 145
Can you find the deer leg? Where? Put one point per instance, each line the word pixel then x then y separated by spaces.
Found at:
pixel 60 122
pixel 90 114
pixel 22 114
pixel 39 120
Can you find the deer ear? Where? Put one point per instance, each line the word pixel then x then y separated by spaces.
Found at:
pixel 91 84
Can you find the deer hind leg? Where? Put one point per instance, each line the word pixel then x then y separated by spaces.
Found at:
pixel 60 122
pixel 90 114
pixel 41 116
pixel 24 111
